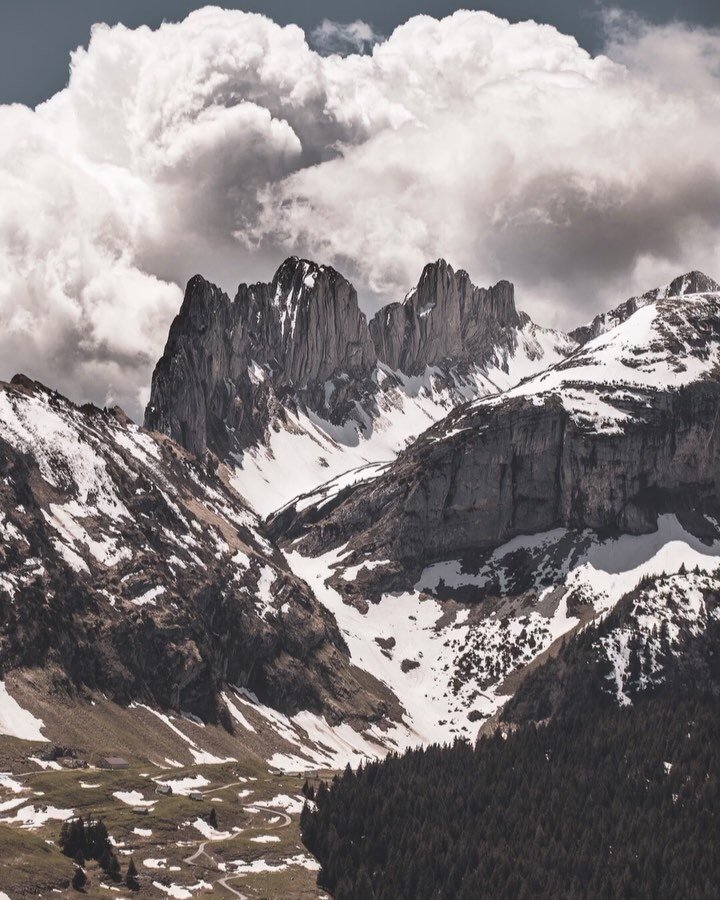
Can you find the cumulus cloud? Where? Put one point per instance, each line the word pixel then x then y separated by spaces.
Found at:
pixel 224 142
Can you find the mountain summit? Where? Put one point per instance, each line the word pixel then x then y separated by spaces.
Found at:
pixel 446 318
pixel 211 386
pixel 688 285
pixel 293 367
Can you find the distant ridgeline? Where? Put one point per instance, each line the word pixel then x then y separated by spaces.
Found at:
pixel 615 802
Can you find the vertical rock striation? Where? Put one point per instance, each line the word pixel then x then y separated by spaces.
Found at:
pixel 232 370
pixel 445 318
pixel 227 363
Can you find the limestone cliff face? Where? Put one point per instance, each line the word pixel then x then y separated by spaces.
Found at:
pixel 520 469
pixel 227 363
pixel 624 429
pixel 446 317
pixel 232 370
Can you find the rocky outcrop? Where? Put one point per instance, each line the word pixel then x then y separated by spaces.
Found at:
pixel 445 318
pixel 684 285
pixel 227 363
pixel 605 441
pixel 130 567
pixel 233 371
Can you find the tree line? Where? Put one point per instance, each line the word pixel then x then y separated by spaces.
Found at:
pixel 616 802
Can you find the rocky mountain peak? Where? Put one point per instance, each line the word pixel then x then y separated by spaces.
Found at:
pixel 202 301
pixel 322 332
pixel 445 317
pixel 687 285
pixel 295 272
pixel 296 356
pixel 211 388
pixel 691 283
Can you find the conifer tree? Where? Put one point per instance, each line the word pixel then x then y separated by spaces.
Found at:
pixel 132 881
pixel 79 879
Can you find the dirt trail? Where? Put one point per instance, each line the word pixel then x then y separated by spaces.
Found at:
pixel 201 851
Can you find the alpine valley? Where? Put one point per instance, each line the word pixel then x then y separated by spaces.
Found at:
pixel 334 539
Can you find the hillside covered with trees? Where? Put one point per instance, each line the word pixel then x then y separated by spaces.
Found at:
pixel 617 802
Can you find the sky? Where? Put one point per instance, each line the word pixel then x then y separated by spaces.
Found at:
pixel 575 155
pixel 34 60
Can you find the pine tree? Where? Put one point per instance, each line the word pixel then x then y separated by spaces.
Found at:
pixel 132 880
pixel 632 681
pixel 79 879
pixel 114 870
pixel 321 793
pixel 109 862
pixel 97 838
pixel 72 837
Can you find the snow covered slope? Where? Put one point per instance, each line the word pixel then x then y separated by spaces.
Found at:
pixel 669 341
pixel 456 645
pixel 453 570
pixel 128 567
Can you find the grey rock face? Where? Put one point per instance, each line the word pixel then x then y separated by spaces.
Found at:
pixel 520 469
pixel 226 363
pixel 446 317
pixel 231 368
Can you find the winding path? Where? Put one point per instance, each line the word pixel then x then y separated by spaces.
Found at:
pixel 201 851
pixel 223 882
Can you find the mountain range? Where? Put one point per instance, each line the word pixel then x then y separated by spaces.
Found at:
pixel 335 537
pixel 293 370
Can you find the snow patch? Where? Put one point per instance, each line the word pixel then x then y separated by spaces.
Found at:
pixel 16 721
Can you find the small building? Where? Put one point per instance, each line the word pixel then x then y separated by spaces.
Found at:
pixel 195 795
pixel 164 789
pixel 140 810
pixel 113 762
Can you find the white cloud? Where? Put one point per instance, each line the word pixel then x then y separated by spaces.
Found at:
pixel 224 142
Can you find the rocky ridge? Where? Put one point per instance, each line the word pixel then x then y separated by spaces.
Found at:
pixel 687 285
pixel 446 319
pixel 523 515
pixel 292 367
pixel 130 567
